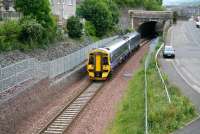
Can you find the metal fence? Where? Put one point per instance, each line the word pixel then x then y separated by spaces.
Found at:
pixel 16 74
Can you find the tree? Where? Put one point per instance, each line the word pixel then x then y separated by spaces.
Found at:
pixel 147 4
pixel 175 15
pixel 38 9
pixel 74 27
pixel 114 11
pixel 102 14
pixel 152 5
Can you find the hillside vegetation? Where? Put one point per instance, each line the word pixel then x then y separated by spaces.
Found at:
pixel 163 117
pixel 146 4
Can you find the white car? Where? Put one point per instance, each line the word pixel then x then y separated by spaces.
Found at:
pixel 198 24
pixel 168 52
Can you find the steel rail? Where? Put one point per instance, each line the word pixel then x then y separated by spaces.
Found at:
pixel 64 119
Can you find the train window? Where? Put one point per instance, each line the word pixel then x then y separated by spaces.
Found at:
pixel 105 60
pixel 91 59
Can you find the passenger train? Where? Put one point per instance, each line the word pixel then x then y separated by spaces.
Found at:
pixel 102 61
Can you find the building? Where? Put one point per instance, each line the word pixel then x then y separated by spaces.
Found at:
pixel 63 9
pixel 1 5
pixel 6 6
pixel 7 10
pixel 185 11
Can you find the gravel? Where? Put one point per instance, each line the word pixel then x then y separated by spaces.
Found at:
pixel 54 51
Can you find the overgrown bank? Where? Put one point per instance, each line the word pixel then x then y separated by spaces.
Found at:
pixel 35 29
pixel 144 4
pixel 163 117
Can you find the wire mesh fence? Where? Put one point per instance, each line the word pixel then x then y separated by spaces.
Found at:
pixel 30 69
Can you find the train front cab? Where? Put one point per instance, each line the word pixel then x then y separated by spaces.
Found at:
pixel 98 66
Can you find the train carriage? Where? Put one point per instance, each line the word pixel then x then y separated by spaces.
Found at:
pixel 102 61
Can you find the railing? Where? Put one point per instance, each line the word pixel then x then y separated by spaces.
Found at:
pixel 29 69
pixel 17 73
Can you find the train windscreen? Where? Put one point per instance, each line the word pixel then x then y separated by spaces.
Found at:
pixel 91 59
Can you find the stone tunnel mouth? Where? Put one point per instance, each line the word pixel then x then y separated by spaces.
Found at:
pixel 148 30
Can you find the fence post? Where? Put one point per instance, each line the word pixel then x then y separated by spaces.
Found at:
pixel 32 69
pixel 15 75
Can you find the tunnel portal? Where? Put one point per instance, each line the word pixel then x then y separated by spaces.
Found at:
pixel 148 29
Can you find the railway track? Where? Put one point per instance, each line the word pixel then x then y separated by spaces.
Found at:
pixel 70 112
pixel 64 119
pixel 144 42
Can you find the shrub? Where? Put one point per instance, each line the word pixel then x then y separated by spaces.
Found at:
pixel 74 27
pixel 32 33
pixel 89 29
pixel 59 34
pixel 9 32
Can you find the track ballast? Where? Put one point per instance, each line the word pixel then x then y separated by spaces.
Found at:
pixel 66 117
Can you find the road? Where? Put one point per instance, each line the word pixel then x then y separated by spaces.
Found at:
pixel 184 70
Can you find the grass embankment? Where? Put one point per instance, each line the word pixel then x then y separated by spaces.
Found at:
pixel 163 117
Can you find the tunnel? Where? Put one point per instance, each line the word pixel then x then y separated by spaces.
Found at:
pixel 148 29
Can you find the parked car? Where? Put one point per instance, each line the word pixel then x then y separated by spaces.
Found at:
pixel 168 52
pixel 198 24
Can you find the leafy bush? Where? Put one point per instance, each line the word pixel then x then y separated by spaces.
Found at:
pixel 32 32
pixel 89 29
pixel 24 34
pixel 9 32
pixel 60 34
pixel 74 27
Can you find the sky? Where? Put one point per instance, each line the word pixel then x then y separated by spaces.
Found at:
pixel 175 2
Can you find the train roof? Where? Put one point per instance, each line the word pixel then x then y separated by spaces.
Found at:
pixel 119 42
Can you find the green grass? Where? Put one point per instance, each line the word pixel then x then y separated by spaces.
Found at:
pixel 163 118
